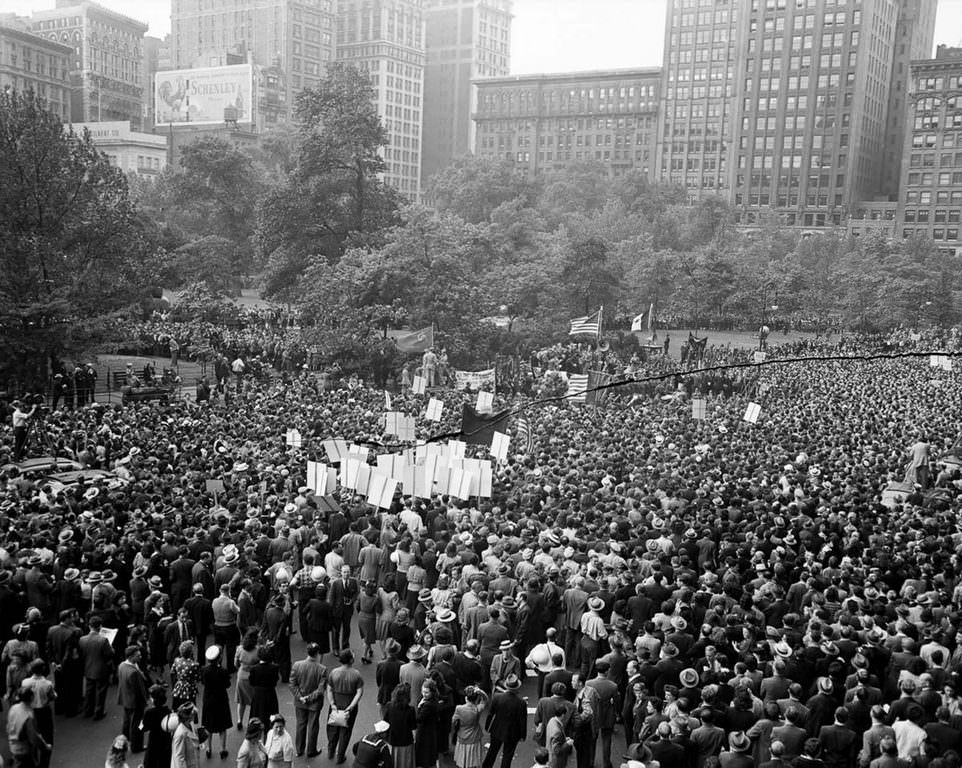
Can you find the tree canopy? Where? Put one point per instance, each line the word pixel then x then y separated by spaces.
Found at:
pixel 72 248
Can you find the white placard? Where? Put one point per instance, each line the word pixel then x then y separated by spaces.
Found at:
pixel 752 413
pixel 380 490
pixel 698 408
pixel 760 356
pixel 387 400
pixel 434 410
pixel 292 438
pixel 499 446
pixel 358 451
pixel 487 477
pixel 321 478
pixel 419 385
pixel 336 450
pixel 485 402
pixel 455 449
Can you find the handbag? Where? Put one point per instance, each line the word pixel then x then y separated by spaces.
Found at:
pixel 337 717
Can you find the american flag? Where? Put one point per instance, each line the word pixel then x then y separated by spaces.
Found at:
pixel 577 387
pixel 525 436
pixel 588 325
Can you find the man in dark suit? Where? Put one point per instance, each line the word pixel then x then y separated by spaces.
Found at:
pixel 944 732
pixel 547 706
pixel 181 579
pixel 201 616
pixel 839 742
pixel 791 735
pixel 609 705
pixel 467 669
pixel 559 675
pixel 132 696
pixel 202 574
pixel 344 591
pixel 97 657
pixel 507 723
pixel 663 749
pixel 178 631
pixel 308 681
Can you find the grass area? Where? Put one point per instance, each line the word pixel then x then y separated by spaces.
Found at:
pixel 738 339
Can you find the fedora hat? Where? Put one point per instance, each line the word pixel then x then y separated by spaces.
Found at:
pixel 155 581
pixel 669 650
pixel 783 649
pixel 416 653
pixel 95 577
pixel 688 677
pixel 35 559
pixel 65 535
pixel 825 685
pixel 679 623
pixel 71 574
pixel 91 493
pixel 506 645
pixel 512 682
pixel 445 615
pixel 140 572
pixel 231 557
pixel 739 741
pixel 424 596
pixel 596 604
pixel 509 602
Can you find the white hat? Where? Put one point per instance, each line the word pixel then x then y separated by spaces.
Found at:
pixel 212 653
pixel 382 726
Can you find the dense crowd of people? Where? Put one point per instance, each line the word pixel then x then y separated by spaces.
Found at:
pixel 686 591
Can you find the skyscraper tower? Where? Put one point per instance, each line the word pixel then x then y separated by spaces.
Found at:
pixel 465 39
pixel 295 35
pixel 703 43
pixel 385 39
pixel 812 105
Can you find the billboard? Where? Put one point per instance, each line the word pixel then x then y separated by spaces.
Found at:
pixel 201 96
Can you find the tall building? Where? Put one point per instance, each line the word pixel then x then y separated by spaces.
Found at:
pixel 914 33
pixel 29 62
pixel 106 70
pixel 296 36
pixel 703 43
pixel 385 39
pixel 465 40
pixel 545 122
pixel 930 201
pixel 156 58
pixel 806 90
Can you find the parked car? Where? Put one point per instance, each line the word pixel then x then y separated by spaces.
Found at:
pixel 42 465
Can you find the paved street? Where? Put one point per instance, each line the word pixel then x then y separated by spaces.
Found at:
pixel 81 743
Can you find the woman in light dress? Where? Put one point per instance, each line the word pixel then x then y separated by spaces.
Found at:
pixel 467 729
pixel 390 602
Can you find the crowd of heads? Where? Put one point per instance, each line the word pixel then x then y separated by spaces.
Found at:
pixel 765 546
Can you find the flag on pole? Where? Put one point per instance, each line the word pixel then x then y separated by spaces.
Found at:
pixel 596 379
pixel 637 321
pixel 416 341
pixel 651 314
pixel 589 325
pixel 525 437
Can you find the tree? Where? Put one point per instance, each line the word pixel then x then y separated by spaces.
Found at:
pixel 72 248
pixel 334 198
pixel 473 188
